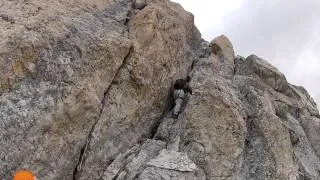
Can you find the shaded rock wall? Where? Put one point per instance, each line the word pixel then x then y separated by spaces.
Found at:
pixel 86 93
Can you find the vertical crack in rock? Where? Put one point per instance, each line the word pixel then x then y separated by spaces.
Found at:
pixel 155 127
pixel 89 137
pixel 167 110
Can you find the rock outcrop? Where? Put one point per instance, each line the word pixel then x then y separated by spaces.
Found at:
pixel 86 93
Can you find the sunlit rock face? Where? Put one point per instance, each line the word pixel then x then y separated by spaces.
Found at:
pixel 86 93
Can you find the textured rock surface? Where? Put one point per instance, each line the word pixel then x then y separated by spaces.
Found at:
pixel 173 160
pixel 85 93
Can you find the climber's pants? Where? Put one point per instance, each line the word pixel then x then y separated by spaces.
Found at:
pixel 178 105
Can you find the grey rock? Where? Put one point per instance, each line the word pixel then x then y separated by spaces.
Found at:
pixel 138 99
pixel 173 160
pixel 132 162
pixel 254 65
pixel 222 47
pixel 86 93
pixel 170 130
pixel 119 162
pixel 149 150
pixel 140 4
pixel 154 173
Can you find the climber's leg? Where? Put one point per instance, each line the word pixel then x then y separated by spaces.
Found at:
pixel 177 107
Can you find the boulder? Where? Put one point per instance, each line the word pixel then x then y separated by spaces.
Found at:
pixel 222 46
pixel 140 4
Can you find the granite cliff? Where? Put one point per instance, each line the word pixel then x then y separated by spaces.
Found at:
pixel 85 93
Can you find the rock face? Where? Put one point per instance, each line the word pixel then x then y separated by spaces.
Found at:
pixel 86 93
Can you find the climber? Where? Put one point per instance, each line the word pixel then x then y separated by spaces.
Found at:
pixel 181 90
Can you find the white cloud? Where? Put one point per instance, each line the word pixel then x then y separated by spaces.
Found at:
pixel 209 14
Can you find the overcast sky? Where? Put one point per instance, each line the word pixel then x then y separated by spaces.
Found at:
pixel 284 32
